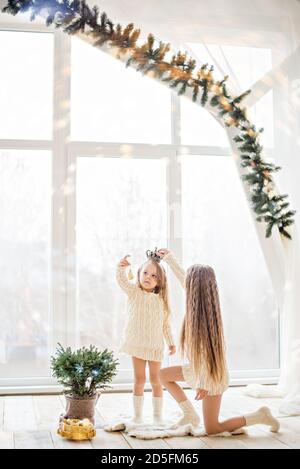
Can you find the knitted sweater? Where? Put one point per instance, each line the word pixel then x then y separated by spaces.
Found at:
pixel 204 380
pixel 147 322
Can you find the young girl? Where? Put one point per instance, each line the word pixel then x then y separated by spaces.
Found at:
pixel 202 343
pixel 147 328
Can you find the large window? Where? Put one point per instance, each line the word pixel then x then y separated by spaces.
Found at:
pixel 25 235
pixel 110 104
pixel 97 162
pixel 26 123
pixel 218 230
pixel 121 209
pixel 26 85
pixel 245 66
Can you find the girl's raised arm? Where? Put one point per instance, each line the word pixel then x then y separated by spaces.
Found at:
pixel 121 276
pixel 171 260
pixel 167 331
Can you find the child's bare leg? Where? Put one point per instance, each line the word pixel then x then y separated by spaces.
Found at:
pixel 157 392
pixel 139 368
pixel 154 368
pixel 168 376
pixel 211 409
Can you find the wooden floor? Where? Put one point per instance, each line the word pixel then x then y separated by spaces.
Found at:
pixel 31 422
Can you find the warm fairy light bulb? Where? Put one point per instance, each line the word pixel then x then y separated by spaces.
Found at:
pixel 251 133
pixel 230 121
pixel 217 89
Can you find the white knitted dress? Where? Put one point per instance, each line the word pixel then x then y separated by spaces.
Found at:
pixel 147 322
pixel 202 381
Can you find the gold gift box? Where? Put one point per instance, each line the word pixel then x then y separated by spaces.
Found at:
pixel 75 429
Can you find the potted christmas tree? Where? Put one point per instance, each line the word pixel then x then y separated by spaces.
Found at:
pixel 83 373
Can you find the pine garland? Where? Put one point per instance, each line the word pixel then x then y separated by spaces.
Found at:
pixel 180 73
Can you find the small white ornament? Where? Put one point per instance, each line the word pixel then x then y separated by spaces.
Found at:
pixel 88 382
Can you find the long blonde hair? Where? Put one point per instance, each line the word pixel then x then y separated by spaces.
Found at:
pixel 162 284
pixel 202 336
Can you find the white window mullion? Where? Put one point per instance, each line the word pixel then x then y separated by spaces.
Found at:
pixel 174 182
pixel 122 149
pixel 13 23
pixel 72 309
pixel 61 131
pixel 174 216
pixel 7 144
pixel 203 149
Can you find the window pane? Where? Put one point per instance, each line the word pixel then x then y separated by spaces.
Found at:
pixel 113 104
pixel 121 209
pixel 199 127
pixel 245 66
pixel 218 230
pixel 25 203
pixel 26 85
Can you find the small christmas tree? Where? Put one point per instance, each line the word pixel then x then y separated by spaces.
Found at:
pixel 83 372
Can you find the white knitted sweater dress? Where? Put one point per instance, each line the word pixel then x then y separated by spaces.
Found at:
pixel 147 322
pixel 202 381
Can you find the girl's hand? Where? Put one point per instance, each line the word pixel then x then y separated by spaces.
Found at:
pixel 200 394
pixel 162 252
pixel 124 262
pixel 172 349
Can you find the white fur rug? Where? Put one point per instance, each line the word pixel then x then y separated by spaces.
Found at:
pixel 148 431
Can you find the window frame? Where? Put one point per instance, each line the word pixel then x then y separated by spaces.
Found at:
pixel 64 153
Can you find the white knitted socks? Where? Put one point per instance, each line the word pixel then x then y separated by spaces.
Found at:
pixel 138 402
pixel 157 403
pixel 263 416
pixel 189 415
